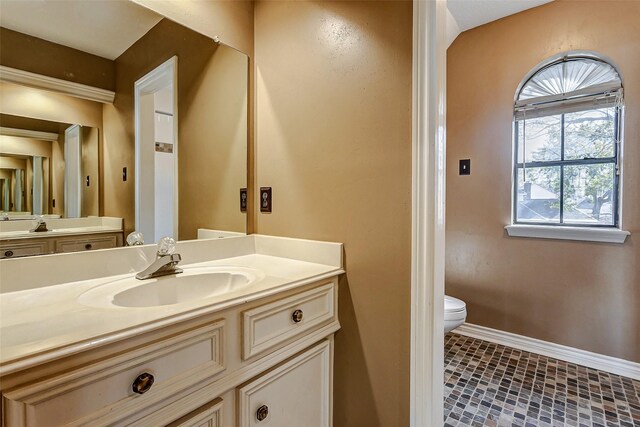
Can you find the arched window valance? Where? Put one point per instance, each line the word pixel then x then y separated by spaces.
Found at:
pixel 572 82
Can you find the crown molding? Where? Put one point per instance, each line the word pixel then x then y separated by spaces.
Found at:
pixel 78 90
pixel 26 133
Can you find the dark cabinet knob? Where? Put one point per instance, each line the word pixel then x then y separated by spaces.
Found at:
pixel 297 316
pixel 8 254
pixel 262 412
pixel 88 246
pixel 143 383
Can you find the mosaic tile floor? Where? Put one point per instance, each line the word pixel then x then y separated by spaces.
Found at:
pixel 488 384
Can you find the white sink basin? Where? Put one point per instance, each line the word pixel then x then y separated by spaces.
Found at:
pixel 195 283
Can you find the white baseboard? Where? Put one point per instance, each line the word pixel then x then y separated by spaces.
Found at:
pixel 568 354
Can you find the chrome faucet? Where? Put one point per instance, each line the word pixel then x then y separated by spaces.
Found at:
pixel 41 225
pixel 166 261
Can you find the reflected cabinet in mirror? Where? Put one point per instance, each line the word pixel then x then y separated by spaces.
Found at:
pixel 108 109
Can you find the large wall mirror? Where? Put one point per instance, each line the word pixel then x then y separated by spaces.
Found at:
pixel 161 138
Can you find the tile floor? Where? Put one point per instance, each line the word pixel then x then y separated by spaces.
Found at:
pixel 488 384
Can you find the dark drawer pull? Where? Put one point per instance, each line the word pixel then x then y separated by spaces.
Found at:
pixel 8 254
pixel 143 383
pixel 88 246
pixel 297 316
pixel 262 412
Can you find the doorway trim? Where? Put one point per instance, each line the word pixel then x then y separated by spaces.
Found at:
pixel 428 213
pixel 149 84
pixel 73 172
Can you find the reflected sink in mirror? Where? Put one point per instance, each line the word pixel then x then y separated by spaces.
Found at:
pixel 195 283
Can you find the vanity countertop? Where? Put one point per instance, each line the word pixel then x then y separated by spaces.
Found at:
pixel 59 227
pixel 21 234
pixel 44 322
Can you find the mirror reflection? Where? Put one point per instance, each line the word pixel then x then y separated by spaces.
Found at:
pixel 130 116
pixel 37 169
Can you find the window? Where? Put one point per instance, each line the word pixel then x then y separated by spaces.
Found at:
pixel 567 126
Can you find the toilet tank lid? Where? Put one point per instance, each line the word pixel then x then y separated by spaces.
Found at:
pixel 453 304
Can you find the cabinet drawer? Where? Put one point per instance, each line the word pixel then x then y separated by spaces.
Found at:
pixel 104 392
pixel 86 244
pixel 296 393
pixel 15 250
pixel 208 415
pixel 271 324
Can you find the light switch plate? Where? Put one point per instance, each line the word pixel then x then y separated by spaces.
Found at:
pixel 465 167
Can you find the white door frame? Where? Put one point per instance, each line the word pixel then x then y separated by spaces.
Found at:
pixel 428 204
pixel 151 83
pixel 73 172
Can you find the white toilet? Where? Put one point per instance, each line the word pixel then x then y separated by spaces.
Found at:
pixel 455 312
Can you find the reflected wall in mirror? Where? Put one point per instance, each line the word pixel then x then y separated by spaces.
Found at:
pixel 37 178
pixel 110 45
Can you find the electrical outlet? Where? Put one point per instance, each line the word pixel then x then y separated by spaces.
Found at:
pixel 465 167
pixel 265 199
pixel 243 199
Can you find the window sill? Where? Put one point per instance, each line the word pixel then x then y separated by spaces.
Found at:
pixel 606 235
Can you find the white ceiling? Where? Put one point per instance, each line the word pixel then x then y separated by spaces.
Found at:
pixel 467 14
pixel 102 27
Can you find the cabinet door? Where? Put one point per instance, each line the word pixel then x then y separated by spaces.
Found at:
pixel 296 393
pixel 27 248
pixel 207 416
pixel 86 243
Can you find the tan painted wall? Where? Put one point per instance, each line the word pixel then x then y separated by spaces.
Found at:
pixel 19 122
pixel 230 21
pixel 24 101
pixel 213 150
pixel 39 56
pixel 24 146
pixel 7 162
pixel 334 141
pixel 205 121
pixel 584 295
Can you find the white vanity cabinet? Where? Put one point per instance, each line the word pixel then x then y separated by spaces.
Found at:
pixel 88 242
pixel 41 245
pixel 209 415
pixel 296 393
pixel 24 247
pixel 268 362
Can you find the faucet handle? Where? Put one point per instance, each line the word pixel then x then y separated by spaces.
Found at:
pixel 166 246
pixel 135 238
